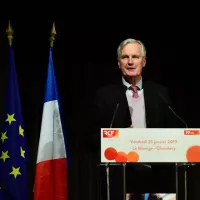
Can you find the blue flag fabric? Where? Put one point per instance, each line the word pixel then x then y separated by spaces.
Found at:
pixel 13 149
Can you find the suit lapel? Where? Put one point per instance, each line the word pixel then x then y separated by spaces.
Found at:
pixel 123 117
pixel 147 101
pixel 151 106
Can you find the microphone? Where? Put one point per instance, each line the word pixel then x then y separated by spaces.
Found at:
pixel 171 109
pixel 186 126
pixel 114 115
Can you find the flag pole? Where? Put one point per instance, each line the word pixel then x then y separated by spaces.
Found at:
pixel 9 32
pixel 14 188
pixel 52 35
pixel 54 184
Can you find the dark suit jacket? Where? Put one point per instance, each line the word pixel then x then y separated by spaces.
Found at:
pixel 156 98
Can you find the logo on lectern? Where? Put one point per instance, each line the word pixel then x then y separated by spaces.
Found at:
pixel 110 133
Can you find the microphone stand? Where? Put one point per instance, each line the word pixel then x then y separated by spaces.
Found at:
pixel 108 180
pixel 177 165
pixel 124 181
pixel 176 172
pixel 107 164
pixel 186 165
pixel 107 168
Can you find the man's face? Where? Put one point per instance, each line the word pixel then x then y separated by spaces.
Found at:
pixel 131 61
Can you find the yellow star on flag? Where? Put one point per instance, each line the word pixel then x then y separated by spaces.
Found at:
pixel 15 171
pixel 3 136
pixel 21 131
pixel 10 118
pixel 22 152
pixel 4 156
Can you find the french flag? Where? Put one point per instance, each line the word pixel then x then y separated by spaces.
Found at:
pixel 51 167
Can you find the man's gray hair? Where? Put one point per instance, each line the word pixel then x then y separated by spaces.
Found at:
pixel 128 41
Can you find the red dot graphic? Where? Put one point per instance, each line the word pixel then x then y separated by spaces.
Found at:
pixel 110 153
pixel 193 154
pixel 121 157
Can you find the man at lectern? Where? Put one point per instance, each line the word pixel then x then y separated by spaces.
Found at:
pixel 135 103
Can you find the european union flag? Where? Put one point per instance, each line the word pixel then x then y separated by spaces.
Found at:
pixel 13 149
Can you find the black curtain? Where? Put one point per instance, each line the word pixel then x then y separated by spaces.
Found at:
pixel 84 61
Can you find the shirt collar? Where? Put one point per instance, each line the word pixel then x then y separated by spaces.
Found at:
pixel 139 84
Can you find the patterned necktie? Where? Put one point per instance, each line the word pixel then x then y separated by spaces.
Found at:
pixel 135 91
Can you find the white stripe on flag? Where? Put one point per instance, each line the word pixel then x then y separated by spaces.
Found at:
pixel 51 145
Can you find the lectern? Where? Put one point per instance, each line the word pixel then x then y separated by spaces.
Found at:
pixel 138 145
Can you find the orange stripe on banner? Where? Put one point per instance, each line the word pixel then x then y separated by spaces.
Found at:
pixel 51 180
pixel 191 132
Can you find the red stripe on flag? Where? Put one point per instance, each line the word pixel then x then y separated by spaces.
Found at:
pixel 51 180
